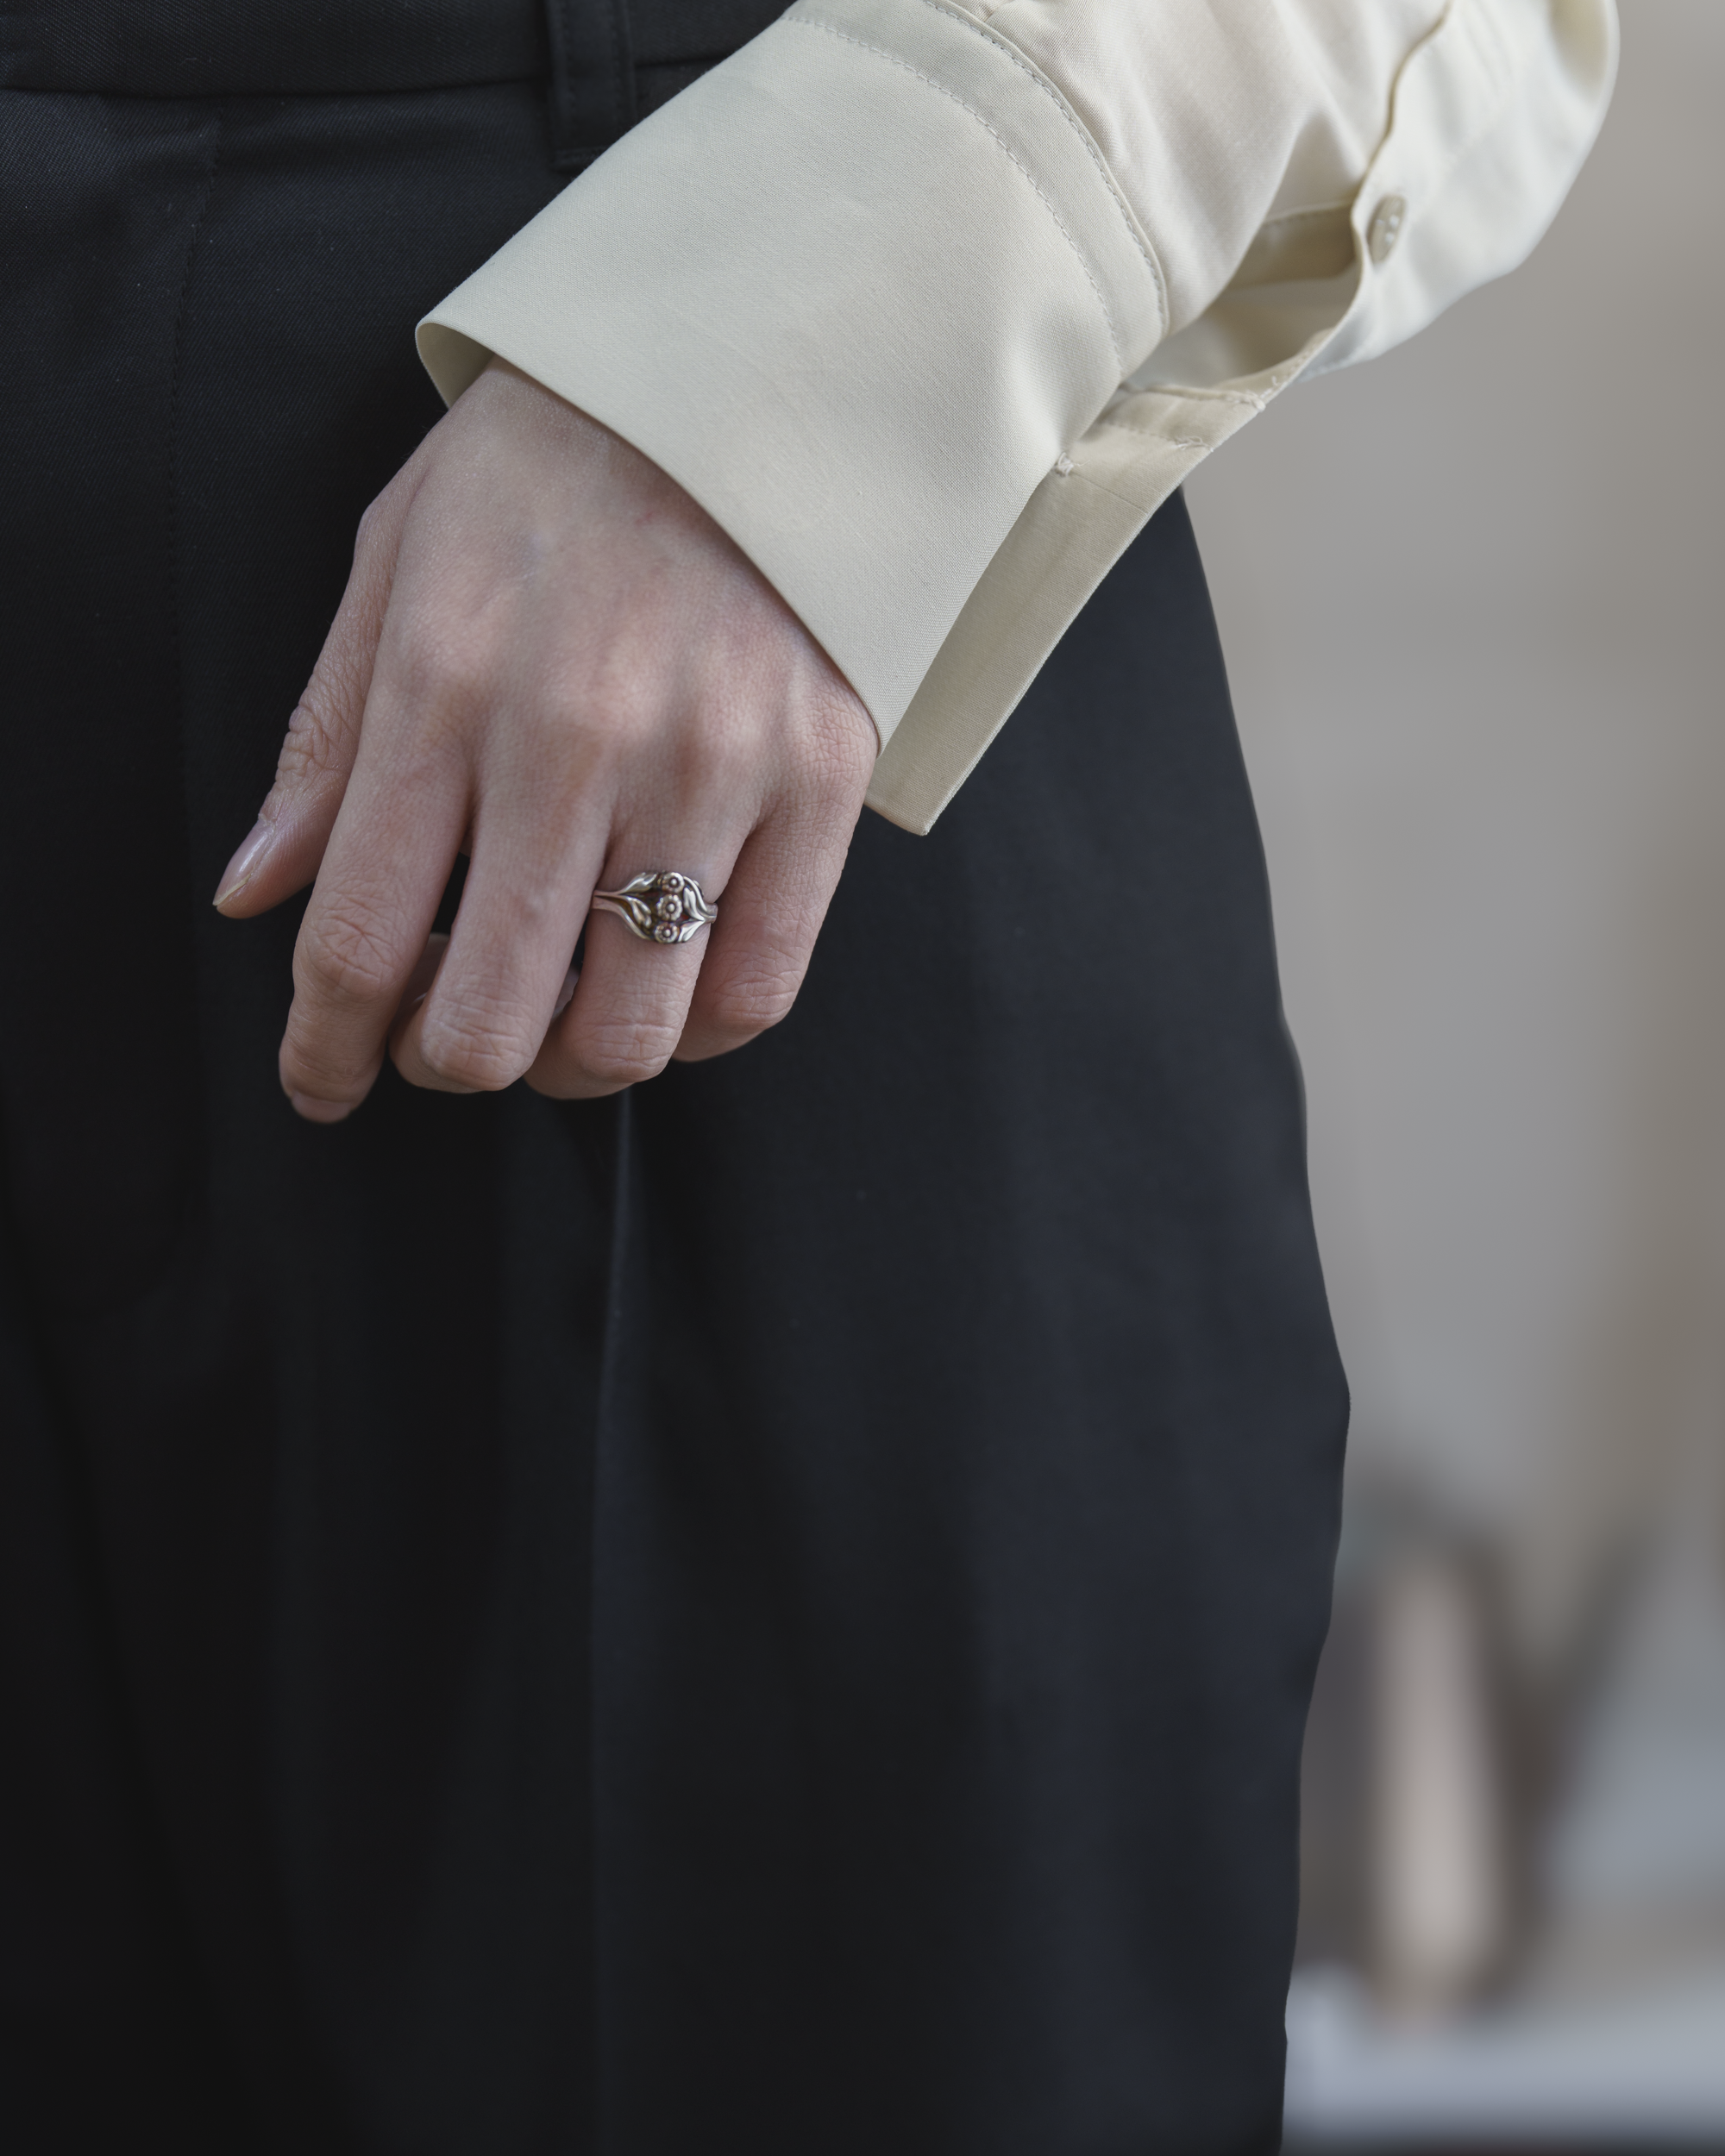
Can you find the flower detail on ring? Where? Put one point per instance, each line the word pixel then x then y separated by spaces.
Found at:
pixel 660 905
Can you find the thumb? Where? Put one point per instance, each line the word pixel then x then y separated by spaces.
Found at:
pixel 281 852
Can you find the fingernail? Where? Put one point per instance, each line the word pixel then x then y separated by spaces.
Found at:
pixel 565 994
pixel 243 866
pixel 320 1111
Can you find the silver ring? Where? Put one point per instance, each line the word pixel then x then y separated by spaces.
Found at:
pixel 660 905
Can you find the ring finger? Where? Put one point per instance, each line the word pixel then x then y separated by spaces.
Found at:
pixel 629 1005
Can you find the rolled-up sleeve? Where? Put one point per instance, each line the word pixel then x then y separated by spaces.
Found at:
pixel 931 308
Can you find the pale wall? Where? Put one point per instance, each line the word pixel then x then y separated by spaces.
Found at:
pixel 1472 603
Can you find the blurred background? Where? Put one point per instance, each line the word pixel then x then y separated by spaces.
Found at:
pixel 1472 603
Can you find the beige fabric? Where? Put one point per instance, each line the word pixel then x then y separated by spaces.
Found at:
pixel 932 309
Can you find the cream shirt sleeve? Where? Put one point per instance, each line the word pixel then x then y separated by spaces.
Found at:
pixel 932 307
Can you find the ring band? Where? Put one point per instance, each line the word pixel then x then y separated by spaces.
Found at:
pixel 660 905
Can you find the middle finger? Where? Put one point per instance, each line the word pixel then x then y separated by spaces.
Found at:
pixel 480 1026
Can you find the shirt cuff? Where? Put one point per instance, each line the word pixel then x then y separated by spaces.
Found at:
pixel 857 290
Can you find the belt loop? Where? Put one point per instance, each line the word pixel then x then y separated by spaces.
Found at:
pixel 592 78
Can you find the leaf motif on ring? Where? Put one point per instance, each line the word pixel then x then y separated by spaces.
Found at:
pixel 660 906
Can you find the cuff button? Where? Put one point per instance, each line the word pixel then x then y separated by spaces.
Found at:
pixel 1385 228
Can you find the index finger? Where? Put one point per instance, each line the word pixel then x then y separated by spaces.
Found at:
pixel 388 859
pixel 281 852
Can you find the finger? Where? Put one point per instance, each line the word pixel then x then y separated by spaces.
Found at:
pixel 507 973
pixel 281 852
pixel 418 986
pixel 631 1004
pixel 765 935
pixel 401 820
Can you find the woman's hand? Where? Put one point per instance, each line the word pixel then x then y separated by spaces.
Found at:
pixel 550 657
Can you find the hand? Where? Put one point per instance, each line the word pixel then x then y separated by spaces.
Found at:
pixel 550 658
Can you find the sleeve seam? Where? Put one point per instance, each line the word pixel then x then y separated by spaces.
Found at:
pixel 1035 76
pixel 895 59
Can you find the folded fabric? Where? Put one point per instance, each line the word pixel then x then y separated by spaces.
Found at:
pixel 931 308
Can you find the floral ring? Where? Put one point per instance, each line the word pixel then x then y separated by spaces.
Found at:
pixel 660 905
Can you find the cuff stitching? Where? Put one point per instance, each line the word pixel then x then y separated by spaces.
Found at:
pixel 1135 232
pixel 1180 396
pixel 879 52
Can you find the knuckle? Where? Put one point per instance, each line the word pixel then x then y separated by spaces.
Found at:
pixel 482 1050
pixel 752 998
pixel 347 956
pixel 308 746
pixel 628 1052
pixel 619 688
pixel 443 668
pixel 724 761
pixel 326 1070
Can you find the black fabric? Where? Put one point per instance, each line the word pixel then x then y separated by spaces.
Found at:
pixel 592 91
pixel 607 63
pixel 191 48
pixel 773 1613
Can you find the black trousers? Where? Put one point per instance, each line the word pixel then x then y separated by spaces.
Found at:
pixel 773 1614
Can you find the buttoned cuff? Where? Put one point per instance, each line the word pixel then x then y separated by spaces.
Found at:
pixel 871 293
